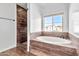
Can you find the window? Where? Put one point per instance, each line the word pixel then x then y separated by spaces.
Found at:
pixel 48 23
pixel 53 23
pixel 57 23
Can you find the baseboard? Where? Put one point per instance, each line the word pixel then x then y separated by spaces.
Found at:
pixel 7 48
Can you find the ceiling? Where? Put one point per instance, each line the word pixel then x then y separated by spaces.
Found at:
pixel 24 5
pixel 45 7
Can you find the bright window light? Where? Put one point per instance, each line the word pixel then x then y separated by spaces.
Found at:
pixel 53 23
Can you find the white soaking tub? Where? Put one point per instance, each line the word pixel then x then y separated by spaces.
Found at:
pixel 55 40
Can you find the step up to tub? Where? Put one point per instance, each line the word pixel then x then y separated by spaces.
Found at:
pixel 50 49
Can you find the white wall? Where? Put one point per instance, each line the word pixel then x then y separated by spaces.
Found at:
pixel 7 27
pixel 7 10
pixel 35 18
pixel 74 7
pixel 66 19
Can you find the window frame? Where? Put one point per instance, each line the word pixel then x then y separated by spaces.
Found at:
pixel 53 22
pixel 44 23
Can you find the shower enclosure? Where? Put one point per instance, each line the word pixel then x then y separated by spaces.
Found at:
pixel 21 24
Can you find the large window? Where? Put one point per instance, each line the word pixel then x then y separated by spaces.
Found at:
pixel 48 23
pixel 53 23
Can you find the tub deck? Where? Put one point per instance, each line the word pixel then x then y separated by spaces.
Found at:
pixel 55 41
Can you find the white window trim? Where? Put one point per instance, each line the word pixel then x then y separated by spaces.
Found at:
pixel 52 19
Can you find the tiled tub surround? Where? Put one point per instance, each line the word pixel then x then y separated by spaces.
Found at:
pixel 56 34
pixel 75 41
pixel 55 41
pixel 36 34
pixel 53 34
pixel 45 49
pixel 51 49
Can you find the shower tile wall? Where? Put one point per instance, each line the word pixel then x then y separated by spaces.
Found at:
pixel 21 24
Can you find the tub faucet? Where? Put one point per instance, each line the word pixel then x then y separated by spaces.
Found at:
pixel 62 36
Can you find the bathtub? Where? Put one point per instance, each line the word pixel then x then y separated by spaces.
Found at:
pixel 54 40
